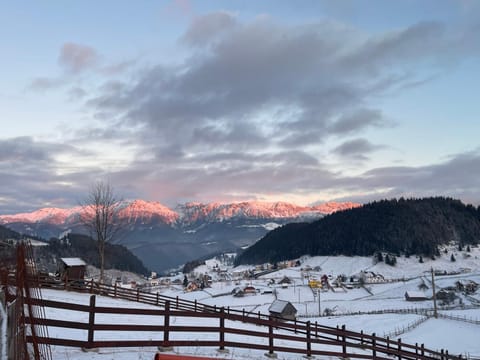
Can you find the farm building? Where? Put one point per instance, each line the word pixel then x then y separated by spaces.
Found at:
pixel 285 280
pixel 283 309
pixel 415 296
pixel 72 268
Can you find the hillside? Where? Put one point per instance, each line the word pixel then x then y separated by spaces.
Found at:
pixel 413 226
pixel 116 256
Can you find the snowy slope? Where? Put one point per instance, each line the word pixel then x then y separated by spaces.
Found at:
pixel 456 336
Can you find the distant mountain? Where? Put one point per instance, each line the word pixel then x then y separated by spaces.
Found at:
pixel 414 226
pixel 164 238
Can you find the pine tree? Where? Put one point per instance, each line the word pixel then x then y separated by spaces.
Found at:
pixel 452 258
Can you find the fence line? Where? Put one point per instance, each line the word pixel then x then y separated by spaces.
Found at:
pixel 306 336
pixel 460 318
pixel 404 329
pixel 306 332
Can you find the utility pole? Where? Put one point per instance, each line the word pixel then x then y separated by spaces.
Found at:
pixel 319 307
pixel 435 314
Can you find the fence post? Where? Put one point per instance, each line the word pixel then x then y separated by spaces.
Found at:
pixel 91 322
pixel 344 342
pixel 177 303
pixel 222 329
pixel 316 329
pixel 138 294
pixel 115 290
pixel 195 306
pixel 441 355
pixel 399 348
pixel 416 350
pixel 361 337
pixel 309 342
pixel 157 298
pixel 374 346
pixel 270 337
pixel 338 333
pixel 422 349
pixel 91 286
pixel 166 325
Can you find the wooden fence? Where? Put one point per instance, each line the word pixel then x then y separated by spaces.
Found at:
pixel 268 334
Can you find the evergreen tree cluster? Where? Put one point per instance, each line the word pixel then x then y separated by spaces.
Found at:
pixel 77 245
pixel 397 226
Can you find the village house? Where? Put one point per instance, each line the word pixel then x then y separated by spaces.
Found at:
pixel 283 309
pixel 72 268
pixel 415 296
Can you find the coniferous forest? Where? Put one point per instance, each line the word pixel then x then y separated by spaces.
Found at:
pixel 398 226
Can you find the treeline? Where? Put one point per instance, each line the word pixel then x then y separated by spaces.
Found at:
pixel 402 227
pixel 77 245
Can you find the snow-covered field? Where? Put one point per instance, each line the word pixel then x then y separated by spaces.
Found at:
pixel 458 337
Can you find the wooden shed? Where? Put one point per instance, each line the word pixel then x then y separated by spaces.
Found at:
pixel 72 268
pixel 415 296
pixel 283 309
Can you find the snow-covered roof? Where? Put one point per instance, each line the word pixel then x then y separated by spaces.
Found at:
pixel 278 306
pixel 73 261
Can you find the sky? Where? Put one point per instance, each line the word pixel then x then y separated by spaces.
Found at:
pixel 178 101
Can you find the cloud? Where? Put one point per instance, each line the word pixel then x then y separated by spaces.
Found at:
pixel 31 174
pixel 77 58
pixel 207 28
pixel 358 120
pixel 356 149
pixel 239 74
pixel 45 83
pixel 446 178
pixel 22 150
pixel 256 107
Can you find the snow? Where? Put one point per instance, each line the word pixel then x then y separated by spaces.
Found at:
pixel 358 308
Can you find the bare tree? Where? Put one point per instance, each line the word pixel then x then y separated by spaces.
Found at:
pixel 99 216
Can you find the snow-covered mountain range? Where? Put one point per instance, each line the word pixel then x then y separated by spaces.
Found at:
pixel 163 238
pixel 185 214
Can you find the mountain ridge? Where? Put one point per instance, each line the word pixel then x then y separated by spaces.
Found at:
pixel 164 238
pixel 188 213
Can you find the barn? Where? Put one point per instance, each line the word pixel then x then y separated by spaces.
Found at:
pixel 415 296
pixel 283 309
pixel 72 268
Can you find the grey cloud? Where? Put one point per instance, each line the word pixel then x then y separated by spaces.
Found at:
pixel 357 121
pixel 251 68
pixel 76 58
pixel 21 150
pixel 356 149
pixel 117 68
pixel 456 177
pixel 205 28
